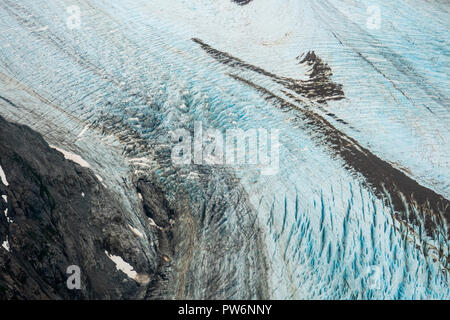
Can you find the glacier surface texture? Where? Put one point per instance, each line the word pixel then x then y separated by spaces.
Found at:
pixel 348 100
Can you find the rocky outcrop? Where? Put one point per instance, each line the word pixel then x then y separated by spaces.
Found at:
pixel 55 214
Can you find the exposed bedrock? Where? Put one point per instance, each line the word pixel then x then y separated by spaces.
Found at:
pixel 59 214
pixel 56 213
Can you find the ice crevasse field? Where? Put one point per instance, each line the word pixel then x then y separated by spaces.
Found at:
pixel 346 83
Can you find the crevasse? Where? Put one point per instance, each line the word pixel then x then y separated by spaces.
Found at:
pixel 325 233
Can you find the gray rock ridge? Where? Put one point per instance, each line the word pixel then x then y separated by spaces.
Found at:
pixel 61 216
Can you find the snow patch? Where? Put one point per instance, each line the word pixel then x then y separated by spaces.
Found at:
pixel 136 231
pixel 83 131
pixel 3 177
pixel 6 216
pixel 153 223
pixel 5 198
pixel 122 265
pixel 128 269
pixel 5 244
pixel 73 157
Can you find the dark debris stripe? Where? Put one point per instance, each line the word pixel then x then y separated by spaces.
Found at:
pixel 389 184
pixel 242 2
pixel 319 87
pixel 412 203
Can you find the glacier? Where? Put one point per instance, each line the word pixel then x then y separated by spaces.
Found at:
pixel 112 91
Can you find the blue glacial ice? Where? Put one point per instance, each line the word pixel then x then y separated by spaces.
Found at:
pixel 325 234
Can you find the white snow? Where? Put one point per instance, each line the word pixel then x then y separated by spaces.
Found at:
pixel 5 198
pixel 153 223
pixel 5 244
pixel 82 194
pixel 3 177
pixel 82 131
pixel 73 157
pixel 136 231
pixel 8 219
pixel 123 266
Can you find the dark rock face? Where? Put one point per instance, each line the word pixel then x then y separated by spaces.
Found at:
pixel 59 214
